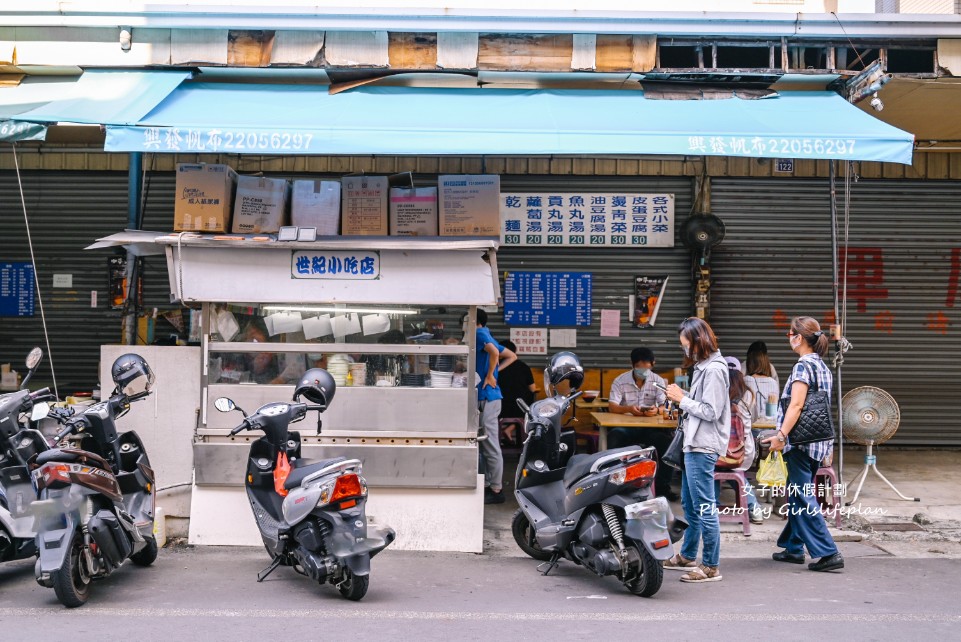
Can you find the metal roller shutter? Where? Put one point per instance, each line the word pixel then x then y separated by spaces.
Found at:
pixel 613 272
pixel 775 263
pixel 67 212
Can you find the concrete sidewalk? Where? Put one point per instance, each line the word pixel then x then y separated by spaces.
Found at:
pixel 930 528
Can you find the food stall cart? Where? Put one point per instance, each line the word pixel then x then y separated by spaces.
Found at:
pixel 384 316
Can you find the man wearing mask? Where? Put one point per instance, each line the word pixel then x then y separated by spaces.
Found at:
pixel 635 393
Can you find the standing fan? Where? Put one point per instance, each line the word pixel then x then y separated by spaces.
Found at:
pixel 870 417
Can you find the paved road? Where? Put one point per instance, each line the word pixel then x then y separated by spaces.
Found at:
pixel 212 594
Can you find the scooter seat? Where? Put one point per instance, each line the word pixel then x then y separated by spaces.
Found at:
pixel 71 456
pixel 579 466
pixel 303 468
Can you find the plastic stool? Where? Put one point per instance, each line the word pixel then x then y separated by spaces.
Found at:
pixel 589 438
pixel 829 497
pixel 518 440
pixel 742 515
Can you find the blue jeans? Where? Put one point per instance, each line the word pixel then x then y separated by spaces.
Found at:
pixel 700 508
pixel 805 524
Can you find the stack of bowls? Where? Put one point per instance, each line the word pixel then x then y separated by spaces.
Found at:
pixel 338 366
pixel 441 379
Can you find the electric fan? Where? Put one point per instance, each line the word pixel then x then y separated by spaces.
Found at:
pixel 870 417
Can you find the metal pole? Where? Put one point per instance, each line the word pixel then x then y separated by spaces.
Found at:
pixel 837 318
pixel 134 189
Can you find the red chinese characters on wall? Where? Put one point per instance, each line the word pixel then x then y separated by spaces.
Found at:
pixel 864 267
pixel 953 277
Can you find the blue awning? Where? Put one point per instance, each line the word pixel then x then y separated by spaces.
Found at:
pixel 32 92
pixel 100 97
pixel 205 117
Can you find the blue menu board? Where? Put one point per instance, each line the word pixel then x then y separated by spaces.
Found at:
pixel 547 298
pixel 16 290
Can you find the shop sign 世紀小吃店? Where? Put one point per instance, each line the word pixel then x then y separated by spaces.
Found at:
pixel 613 219
pixel 335 265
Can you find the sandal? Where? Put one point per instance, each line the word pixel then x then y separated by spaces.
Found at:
pixel 679 563
pixel 702 574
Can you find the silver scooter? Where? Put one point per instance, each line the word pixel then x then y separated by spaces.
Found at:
pixel 599 510
pixel 19 442
pixel 96 502
pixel 311 514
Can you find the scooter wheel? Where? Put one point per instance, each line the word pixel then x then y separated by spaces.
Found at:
pixel 353 587
pixel 147 554
pixel 70 583
pixel 651 575
pixel 523 534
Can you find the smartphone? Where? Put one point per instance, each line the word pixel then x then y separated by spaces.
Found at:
pixel 660 387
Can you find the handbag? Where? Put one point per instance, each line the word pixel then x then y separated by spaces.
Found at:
pixel 674 455
pixel 816 422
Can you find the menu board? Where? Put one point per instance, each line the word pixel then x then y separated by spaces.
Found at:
pixel 547 298
pixel 587 219
pixel 16 290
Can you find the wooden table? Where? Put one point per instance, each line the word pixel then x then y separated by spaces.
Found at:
pixel 764 424
pixel 596 404
pixel 606 420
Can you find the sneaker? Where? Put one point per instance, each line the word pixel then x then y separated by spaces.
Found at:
pixel 702 574
pixel 492 497
pixel 679 563
pixel 757 514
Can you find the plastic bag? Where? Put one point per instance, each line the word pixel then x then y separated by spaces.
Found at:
pixel 281 473
pixel 773 471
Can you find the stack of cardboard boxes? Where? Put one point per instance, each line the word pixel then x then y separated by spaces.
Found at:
pixel 213 198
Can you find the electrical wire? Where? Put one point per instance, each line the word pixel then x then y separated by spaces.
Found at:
pixel 853 48
pixel 36 273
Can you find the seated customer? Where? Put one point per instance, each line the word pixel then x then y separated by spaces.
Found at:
pixel 634 393
pixel 516 382
pixel 761 379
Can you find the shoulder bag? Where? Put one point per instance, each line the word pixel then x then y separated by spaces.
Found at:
pixel 816 422
pixel 674 455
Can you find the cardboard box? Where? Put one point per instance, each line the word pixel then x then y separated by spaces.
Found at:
pixel 316 204
pixel 204 198
pixel 363 206
pixel 469 204
pixel 261 205
pixel 413 212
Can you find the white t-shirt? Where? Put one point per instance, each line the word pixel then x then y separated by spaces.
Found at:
pixel 762 388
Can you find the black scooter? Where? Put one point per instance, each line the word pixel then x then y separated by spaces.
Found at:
pixel 310 513
pixel 96 502
pixel 19 442
pixel 594 510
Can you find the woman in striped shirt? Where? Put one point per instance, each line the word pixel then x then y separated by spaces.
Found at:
pixel 805 524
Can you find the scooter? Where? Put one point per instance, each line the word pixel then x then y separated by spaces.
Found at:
pixel 596 510
pixel 310 513
pixel 18 444
pixel 96 502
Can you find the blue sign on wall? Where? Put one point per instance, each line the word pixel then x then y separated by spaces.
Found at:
pixel 16 290
pixel 547 298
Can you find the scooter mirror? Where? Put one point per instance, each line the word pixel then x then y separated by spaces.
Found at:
pixel 223 404
pixel 33 359
pixel 40 411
